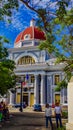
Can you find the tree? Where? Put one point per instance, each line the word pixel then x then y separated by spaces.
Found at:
pixel 7 76
pixel 58 27
pixel 6 9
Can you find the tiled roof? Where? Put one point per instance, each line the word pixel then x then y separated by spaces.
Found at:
pixel 33 32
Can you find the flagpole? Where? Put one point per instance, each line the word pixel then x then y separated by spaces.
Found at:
pixel 21 95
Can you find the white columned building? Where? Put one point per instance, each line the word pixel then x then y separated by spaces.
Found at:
pixel 34 62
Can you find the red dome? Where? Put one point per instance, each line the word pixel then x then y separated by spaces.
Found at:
pixel 33 32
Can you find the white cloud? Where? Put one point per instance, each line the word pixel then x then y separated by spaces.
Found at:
pixel 21 18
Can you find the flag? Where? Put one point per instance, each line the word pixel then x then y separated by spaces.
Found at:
pixel 24 83
pixel 27 76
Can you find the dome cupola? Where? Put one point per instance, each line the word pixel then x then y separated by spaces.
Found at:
pixel 30 33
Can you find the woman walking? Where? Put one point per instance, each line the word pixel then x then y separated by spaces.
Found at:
pixel 48 114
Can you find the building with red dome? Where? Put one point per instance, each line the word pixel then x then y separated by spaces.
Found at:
pixel 37 69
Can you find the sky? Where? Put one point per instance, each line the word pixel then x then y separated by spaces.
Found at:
pixel 19 21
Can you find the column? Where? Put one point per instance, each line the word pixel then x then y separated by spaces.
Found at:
pixel 36 90
pixel 69 125
pixel 62 89
pixel 11 97
pixel 49 89
pixel 28 82
pixel 29 99
pixel 42 89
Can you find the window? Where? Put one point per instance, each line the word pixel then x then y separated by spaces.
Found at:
pixel 27 36
pixel 57 79
pixel 26 60
pixel 32 78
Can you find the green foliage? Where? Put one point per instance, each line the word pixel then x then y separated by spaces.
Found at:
pixel 60 40
pixel 63 128
pixel 57 89
pixel 46 45
pixel 61 11
pixel 7 7
pixel 7 76
pixel 61 85
pixel 3 50
pixel 65 114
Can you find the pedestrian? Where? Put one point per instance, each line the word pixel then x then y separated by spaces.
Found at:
pixel 5 112
pixel 58 113
pixel 48 114
pixel 1 113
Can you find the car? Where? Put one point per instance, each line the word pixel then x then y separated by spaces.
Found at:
pixel 18 105
pixel 37 107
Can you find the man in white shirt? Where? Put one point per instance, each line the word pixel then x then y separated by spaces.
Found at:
pixel 58 113
pixel 48 114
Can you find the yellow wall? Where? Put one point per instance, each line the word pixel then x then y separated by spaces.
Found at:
pixel 18 98
pixel 57 98
pixel 31 99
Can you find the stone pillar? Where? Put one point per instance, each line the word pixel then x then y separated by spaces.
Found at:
pixel 29 99
pixel 49 89
pixel 69 125
pixel 42 89
pixel 11 98
pixel 36 90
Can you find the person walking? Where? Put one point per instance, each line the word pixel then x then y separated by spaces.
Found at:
pixel 1 112
pixel 58 113
pixel 48 114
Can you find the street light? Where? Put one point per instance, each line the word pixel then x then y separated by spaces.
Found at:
pixel 21 95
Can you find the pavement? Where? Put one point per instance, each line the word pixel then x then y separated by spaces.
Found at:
pixel 26 120
pixel 27 109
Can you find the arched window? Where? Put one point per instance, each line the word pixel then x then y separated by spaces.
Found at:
pixel 27 36
pixel 26 60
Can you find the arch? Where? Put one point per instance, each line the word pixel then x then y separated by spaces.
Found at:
pixel 27 54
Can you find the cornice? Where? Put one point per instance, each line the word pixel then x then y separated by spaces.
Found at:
pixel 20 49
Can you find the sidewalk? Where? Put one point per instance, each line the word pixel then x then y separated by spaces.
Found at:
pixel 27 109
pixel 27 120
pixel 30 110
pixel 19 121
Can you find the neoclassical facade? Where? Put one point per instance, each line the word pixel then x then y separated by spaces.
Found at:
pixel 37 68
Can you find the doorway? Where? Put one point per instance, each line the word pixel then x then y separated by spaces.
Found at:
pixel 57 98
pixel 25 99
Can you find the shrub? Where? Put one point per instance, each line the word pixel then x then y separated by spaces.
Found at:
pixel 65 114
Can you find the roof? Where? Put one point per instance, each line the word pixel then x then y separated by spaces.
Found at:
pixel 30 33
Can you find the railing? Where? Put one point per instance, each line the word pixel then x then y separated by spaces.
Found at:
pixel 28 85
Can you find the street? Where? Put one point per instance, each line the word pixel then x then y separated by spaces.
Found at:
pixel 27 121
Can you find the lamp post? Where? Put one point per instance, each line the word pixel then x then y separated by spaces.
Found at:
pixel 21 95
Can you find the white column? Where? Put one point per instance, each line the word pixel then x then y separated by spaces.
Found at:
pixel 36 90
pixel 29 90
pixel 49 90
pixel 42 89
pixel 11 98
pixel 69 125
pixel 29 99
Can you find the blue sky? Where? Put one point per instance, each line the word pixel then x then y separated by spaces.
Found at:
pixel 20 20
